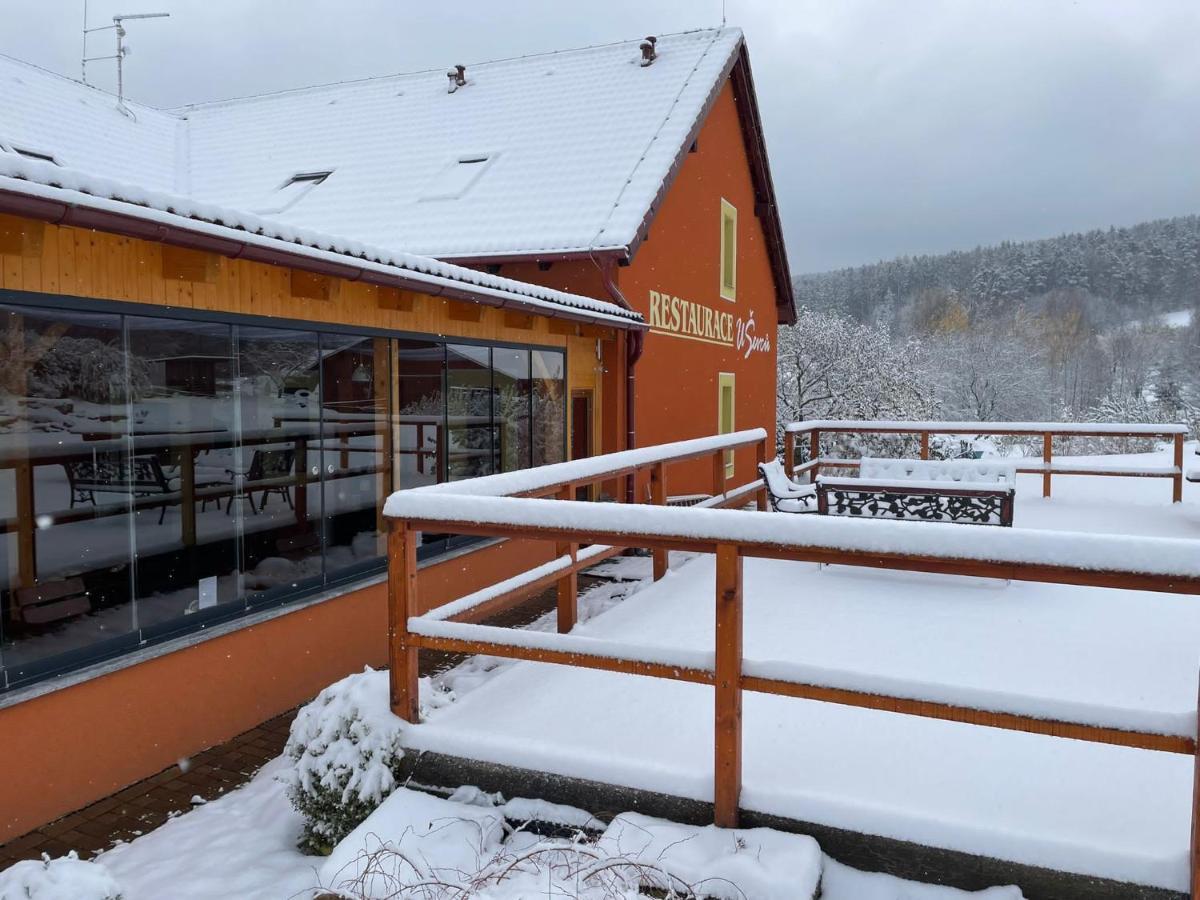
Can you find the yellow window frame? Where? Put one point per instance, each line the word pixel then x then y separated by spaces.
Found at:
pixel 728 250
pixel 726 423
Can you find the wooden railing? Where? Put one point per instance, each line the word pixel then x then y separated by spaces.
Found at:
pixel 523 509
pixel 811 431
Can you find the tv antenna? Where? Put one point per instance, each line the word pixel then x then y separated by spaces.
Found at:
pixel 123 49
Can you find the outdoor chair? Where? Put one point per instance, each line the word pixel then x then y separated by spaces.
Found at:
pixel 785 494
pixel 269 472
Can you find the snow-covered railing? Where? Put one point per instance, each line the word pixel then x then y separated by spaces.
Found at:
pixel 1103 561
pixel 814 428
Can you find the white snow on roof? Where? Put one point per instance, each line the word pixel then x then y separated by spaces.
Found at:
pixel 53 182
pixel 576 145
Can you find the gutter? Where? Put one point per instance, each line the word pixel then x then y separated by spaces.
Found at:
pixel 635 342
pixel 57 212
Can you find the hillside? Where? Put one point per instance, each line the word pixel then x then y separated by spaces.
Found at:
pixel 1152 267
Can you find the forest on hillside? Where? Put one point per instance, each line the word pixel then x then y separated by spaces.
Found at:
pixel 1097 326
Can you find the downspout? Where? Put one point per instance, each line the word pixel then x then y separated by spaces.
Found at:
pixel 635 340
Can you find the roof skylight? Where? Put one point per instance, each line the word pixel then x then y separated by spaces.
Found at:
pixel 32 154
pixel 456 177
pixel 291 192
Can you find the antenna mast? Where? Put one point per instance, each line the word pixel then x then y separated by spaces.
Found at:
pixel 122 49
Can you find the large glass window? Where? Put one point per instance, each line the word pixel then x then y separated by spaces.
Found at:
pixel 354 449
pixel 549 407
pixel 183 433
pixel 158 472
pixel 510 400
pixel 278 466
pixel 471 448
pixel 66 486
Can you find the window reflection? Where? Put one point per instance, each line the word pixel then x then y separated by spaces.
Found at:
pixel 354 446
pixel 510 386
pixel 469 411
pixel 549 407
pixel 157 473
pixel 184 457
pixel 279 463
pixel 64 484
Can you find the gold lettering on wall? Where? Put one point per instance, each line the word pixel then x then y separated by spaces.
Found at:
pixel 681 318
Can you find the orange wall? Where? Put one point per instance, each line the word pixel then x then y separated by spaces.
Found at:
pixel 74 746
pixel 677 378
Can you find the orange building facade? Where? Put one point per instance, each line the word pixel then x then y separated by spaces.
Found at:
pixel 681 345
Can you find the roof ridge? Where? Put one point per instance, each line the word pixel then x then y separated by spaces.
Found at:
pixel 717 32
pixel 205 104
pixel 83 84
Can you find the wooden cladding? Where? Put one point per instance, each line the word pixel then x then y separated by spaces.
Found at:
pixel 459 311
pixel 21 237
pixel 394 298
pixel 514 319
pixel 182 264
pixel 311 285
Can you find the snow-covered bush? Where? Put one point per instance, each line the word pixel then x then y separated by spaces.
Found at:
pixel 345 751
pixel 65 878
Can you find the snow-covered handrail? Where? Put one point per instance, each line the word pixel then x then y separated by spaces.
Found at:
pixel 1173 432
pixel 1076 557
pixel 585 471
pixel 885 426
pixel 1152 564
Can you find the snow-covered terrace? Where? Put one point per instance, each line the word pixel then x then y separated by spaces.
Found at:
pixel 1079 622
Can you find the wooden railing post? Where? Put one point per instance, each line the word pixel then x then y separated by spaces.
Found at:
pixel 402 603
pixel 26 525
pixel 718 473
pixel 568 585
pixel 789 453
pixel 814 454
pixel 924 445
pixel 658 496
pixel 1177 478
pixel 1047 458
pixel 727 759
pixel 187 490
pixel 760 495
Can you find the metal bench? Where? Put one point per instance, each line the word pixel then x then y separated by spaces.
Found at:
pixel 977 492
pixel 116 473
pixel 785 495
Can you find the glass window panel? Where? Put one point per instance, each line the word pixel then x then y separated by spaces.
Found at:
pixel 64 502
pixel 279 463
pixel 419 434
pixel 468 411
pixel 356 467
pixel 510 385
pixel 184 459
pixel 549 407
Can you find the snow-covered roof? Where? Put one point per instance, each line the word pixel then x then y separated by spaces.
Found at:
pixel 558 153
pixel 72 197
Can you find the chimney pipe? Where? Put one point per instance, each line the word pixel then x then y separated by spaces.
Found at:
pixel 457 77
pixel 648 53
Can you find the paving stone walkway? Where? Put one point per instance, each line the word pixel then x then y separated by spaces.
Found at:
pixel 144 806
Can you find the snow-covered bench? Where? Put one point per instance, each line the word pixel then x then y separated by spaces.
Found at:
pixel 963 490
pixel 785 494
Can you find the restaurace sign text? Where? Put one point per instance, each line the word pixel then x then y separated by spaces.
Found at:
pixel 681 318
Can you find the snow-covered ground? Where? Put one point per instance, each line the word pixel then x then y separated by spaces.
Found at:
pixel 1120 657
pixel 243 846
pixel 1097 655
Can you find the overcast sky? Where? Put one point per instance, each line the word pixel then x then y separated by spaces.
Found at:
pixel 894 126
